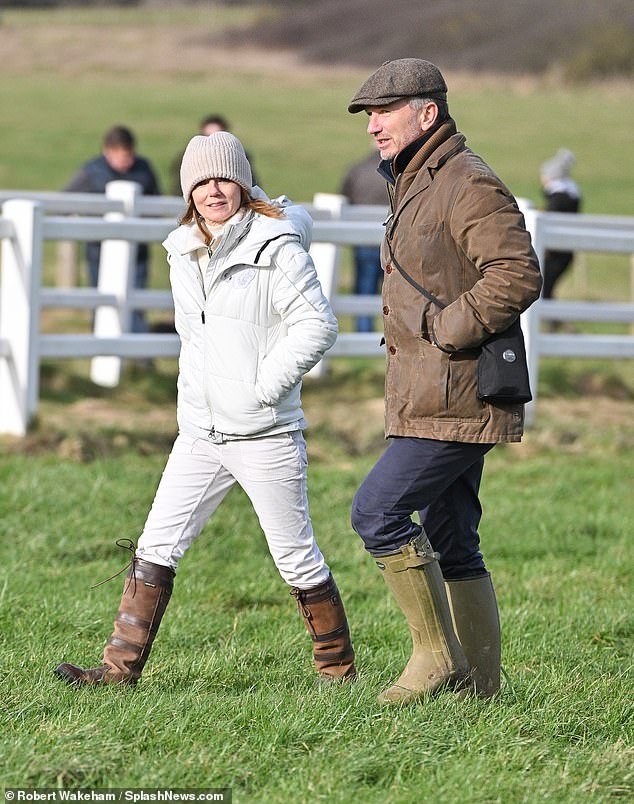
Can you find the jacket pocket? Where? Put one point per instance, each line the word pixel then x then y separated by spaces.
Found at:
pixel 462 392
pixel 433 384
pixel 236 409
pixel 191 385
pixel 417 383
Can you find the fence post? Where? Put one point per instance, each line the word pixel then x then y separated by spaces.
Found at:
pixel 327 259
pixel 20 280
pixel 531 318
pixel 117 268
pixel 67 268
pixel 632 287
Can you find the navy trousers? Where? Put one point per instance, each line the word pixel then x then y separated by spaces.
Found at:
pixel 368 276
pixel 440 480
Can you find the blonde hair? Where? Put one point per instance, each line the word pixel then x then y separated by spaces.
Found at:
pixel 258 205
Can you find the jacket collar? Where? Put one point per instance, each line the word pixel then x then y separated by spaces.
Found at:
pixel 430 156
pixel 420 171
pixel 423 166
pixel 414 155
pixel 390 168
pixel 188 238
pixel 247 240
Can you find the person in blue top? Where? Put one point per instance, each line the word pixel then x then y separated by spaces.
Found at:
pixel 118 161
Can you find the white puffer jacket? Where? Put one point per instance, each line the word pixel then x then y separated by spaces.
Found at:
pixel 251 327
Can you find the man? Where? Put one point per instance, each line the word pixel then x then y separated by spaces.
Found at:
pixel 118 162
pixel 457 231
pixel 363 185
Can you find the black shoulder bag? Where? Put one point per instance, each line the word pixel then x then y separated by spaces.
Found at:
pixel 502 365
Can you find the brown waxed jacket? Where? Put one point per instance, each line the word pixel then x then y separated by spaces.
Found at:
pixel 456 229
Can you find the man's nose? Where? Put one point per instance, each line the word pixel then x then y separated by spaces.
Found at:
pixel 373 124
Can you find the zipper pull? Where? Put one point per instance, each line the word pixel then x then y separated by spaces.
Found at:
pixel 202 316
pixel 209 251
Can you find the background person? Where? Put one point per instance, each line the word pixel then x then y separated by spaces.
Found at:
pixel 252 320
pixel 210 124
pixel 457 230
pixel 363 185
pixel 118 162
pixel 561 194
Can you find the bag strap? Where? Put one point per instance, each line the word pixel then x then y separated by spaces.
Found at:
pixel 411 279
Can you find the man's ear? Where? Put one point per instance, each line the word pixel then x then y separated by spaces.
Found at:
pixel 428 116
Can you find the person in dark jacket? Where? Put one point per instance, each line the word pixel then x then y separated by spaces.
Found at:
pixel 457 231
pixel 118 161
pixel 210 124
pixel 363 185
pixel 561 194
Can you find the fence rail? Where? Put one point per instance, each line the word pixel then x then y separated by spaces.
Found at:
pixel 123 218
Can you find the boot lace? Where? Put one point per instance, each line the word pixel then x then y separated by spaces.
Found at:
pixel 301 602
pixel 125 544
pixel 306 613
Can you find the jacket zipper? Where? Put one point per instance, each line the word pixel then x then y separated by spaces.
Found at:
pixel 202 277
pixel 212 433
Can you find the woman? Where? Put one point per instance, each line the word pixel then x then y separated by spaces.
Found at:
pixel 252 321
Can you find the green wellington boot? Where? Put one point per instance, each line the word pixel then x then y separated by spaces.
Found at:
pixel 477 625
pixel 413 576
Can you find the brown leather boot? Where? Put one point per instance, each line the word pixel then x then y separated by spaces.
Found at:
pixel 326 622
pixel 413 576
pixel 146 593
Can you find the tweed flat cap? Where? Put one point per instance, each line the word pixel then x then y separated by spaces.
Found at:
pixel 399 79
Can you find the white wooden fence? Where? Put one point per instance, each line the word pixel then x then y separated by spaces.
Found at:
pixel 579 233
pixel 123 218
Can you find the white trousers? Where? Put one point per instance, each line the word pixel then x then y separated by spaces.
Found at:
pixel 273 473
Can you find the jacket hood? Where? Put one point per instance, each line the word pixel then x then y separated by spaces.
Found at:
pixel 261 230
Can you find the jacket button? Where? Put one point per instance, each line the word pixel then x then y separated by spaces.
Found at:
pixel 392 350
pixel 388 268
pixel 386 310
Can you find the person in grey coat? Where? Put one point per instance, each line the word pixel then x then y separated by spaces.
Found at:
pixel 363 185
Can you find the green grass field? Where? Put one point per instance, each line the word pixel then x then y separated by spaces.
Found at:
pixel 228 699
pixel 69 76
pixel 78 73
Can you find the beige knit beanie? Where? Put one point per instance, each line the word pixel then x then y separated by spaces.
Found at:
pixel 218 156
